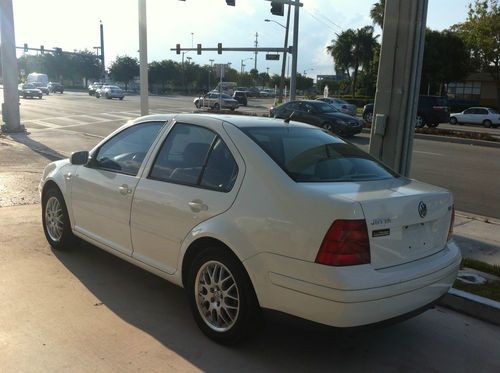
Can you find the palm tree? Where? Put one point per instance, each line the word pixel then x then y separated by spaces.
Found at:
pixel 377 13
pixel 353 49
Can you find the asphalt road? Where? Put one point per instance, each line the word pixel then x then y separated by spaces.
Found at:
pixel 470 172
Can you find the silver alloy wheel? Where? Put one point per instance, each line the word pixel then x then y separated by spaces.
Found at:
pixel 54 219
pixel 369 117
pixel 419 123
pixel 217 296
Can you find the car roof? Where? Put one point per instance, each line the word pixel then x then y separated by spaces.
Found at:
pixel 240 121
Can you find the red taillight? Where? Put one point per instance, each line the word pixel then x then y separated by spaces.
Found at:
pixel 452 222
pixel 346 243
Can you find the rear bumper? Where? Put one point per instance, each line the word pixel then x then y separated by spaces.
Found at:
pixel 351 296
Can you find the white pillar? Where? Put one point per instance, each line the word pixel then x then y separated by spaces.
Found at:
pixel 143 57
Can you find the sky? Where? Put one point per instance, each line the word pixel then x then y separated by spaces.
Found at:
pixel 71 24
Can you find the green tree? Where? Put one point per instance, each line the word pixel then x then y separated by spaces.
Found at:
pixel 446 59
pixel 377 13
pixel 124 69
pixel 353 49
pixel 481 33
pixel 87 66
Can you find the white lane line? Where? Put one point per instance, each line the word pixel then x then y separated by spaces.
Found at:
pixel 430 153
pixel 44 124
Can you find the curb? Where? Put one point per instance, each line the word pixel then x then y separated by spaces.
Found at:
pixel 455 140
pixel 473 305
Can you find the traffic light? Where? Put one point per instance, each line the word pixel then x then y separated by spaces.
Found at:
pixel 198 49
pixel 25 47
pixel 230 2
pixel 219 48
pixel 42 49
pixel 277 8
pixel 57 51
pixel 177 48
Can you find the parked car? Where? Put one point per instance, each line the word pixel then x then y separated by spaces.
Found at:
pixel 341 105
pixel 241 97
pixel 211 100
pixel 42 87
pixel 29 90
pixel 55 87
pixel 253 92
pixel 368 113
pixel 250 213
pixel 110 91
pixel 477 115
pixel 267 92
pixel 320 114
pixel 94 87
pixel 431 111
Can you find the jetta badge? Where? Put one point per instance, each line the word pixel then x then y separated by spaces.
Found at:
pixel 422 209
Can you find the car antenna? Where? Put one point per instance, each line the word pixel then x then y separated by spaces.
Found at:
pixel 289 118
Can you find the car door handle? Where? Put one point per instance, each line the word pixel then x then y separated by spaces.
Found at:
pixel 67 176
pixel 124 189
pixel 197 205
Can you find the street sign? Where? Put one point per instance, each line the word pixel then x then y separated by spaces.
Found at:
pixel 273 57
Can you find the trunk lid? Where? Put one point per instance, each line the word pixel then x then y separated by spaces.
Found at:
pixel 406 219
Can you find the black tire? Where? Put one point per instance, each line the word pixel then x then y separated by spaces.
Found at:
pixel 25 96
pixel 453 120
pixel 216 107
pixel 97 95
pixel 90 94
pixel 327 126
pixel 40 96
pixel 67 239
pixel 121 98
pixel 419 122
pixel 246 317
pixel 198 105
pixel 487 123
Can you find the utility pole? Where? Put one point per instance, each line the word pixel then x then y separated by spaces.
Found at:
pixel 295 52
pixel 101 29
pixel 143 57
pixel 283 63
pixel 10 106
pixel 210 72
pixel 256 46
pixel 398 83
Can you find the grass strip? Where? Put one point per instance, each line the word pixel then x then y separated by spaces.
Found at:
pixel 490 289
pixel 481 266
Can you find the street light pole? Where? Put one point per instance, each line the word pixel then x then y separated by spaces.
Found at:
pixel 295 51
pixel 210 72
pixel 242 65
pixel 143 57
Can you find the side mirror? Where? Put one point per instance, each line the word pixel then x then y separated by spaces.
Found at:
pixel 79 158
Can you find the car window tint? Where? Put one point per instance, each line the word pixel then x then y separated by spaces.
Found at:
pixel 221 169
pixel 482 111
pixel 313 155
pixel 125 151
pixel 469 111
pixel 183 154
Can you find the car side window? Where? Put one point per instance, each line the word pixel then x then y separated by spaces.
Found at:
pixel 124 152
pixel 482 111
pixel 195 156
pixel 469 111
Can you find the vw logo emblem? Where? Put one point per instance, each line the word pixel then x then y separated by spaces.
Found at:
pixel 422 209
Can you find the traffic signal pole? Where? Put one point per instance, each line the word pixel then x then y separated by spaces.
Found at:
pixel 398 83
pixel 10 106
pixel 295 52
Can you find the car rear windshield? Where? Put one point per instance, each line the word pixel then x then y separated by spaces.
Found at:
pixel 314 155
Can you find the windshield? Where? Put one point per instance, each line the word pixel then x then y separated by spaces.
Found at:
pixel 314 155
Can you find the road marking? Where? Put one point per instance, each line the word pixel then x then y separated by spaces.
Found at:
pixel 430 153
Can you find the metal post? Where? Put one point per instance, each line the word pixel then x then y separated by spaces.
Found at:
pixel 398 83
pixel 143 57
pixel 283 63
pixel 256 46
pixel 101 29
pixel 295 50
pixel 10 106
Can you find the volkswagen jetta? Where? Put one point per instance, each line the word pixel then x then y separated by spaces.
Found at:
pixel 252 213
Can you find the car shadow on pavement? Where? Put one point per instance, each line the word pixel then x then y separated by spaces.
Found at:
pixel 37 147
pixel 161 309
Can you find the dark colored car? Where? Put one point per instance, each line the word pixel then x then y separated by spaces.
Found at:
pixel 431 111
pixel 253 92
pixel 241 97
pixel 368 112
pixel 94 87
pixel 320 114
pixel 29 90
pixel 42 87
pixel 55 87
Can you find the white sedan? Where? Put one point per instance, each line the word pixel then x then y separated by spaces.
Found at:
pixel 252 213
pixel 477 115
